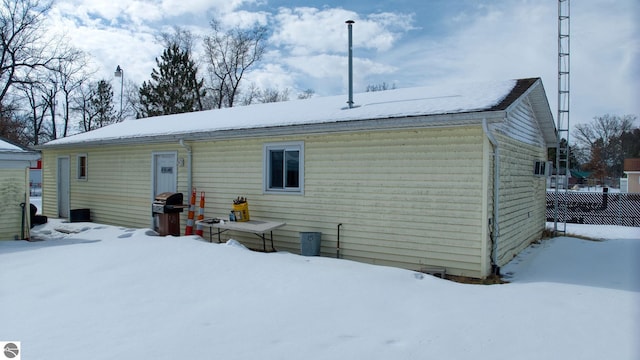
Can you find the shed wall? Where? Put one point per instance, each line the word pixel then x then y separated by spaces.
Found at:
pixel 522 194
pixel 404 198
pixel 14 190
pixel 118 184
pixel 633 182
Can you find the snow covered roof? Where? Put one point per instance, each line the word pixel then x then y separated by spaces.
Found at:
pixel 384 108
pixel 6 146
pixel 13 152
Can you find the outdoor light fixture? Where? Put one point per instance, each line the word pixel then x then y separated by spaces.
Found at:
pixel 120 73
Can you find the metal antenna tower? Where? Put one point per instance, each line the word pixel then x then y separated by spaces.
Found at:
pixel 562 150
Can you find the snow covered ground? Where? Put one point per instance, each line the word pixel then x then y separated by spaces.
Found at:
pixel 92 291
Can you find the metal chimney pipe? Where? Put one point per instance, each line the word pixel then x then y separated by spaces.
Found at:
pixel 350 26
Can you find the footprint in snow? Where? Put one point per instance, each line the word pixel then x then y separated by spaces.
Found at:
pixel 123 236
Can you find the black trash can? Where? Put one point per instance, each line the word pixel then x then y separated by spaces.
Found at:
pixel 310 243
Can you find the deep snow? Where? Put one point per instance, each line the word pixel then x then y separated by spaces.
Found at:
pixel 115 293
pixel 407 102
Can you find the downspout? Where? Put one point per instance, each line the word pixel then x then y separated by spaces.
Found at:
pixel 189 157
pixel 496 197
pixel 338 244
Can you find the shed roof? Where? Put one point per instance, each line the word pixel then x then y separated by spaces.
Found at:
pixel 13 152
pixel 441 105
pixel 6 146
pixel 632 164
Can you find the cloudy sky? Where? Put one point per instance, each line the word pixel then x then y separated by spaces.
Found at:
pixel 400 42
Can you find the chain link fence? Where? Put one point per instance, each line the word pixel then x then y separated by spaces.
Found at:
pixel 601 208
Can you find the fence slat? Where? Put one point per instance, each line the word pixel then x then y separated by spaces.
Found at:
pixel 596 208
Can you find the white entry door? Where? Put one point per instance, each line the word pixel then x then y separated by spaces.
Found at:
pixel 63 187
pixel 165 172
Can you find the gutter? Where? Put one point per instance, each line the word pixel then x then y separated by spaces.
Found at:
pixel 495 233
pixel 329 127
pixel 189 159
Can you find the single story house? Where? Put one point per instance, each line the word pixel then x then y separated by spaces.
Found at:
pixel 632 171
pixel 446 176
pixel 15 162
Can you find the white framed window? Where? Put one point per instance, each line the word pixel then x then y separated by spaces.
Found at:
pixel 542 168
pixel 283 167
pixel 81 171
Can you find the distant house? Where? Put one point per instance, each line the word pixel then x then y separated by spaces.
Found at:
pixel 632 170
pixel 443 176
pixel 14 190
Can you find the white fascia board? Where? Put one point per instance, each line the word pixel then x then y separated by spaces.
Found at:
pixel 19 156
pixel 384 124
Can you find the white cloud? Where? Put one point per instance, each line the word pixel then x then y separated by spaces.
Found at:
pixel 332 71
pixel 144 11
pixel 133 48
pixel 319 66
pixel 493 40
pixel 605 59
pixel 273 76
pixel 244 19
pixel 306 30
pixel 313 44
pixel 520 40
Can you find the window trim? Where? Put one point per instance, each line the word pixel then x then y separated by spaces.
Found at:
pixel 286 146
pixel 79 177
pixel 542 168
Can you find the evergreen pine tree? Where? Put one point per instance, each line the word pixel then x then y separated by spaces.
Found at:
pixel 174 87
pixel 101 105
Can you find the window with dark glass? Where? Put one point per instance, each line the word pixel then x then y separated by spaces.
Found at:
pixel 283 165
pixel 82 167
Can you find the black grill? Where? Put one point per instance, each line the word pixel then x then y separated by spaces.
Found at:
pixel 167 202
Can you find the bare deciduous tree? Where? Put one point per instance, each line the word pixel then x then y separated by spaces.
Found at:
pixel 34 93
pixel 274 95
pixel 307 94
pixel 11 127
pixel 380 87
pixel 24 45
pixel 602 141
pixel 82 105
pixel 70 75
pixel 269 95
pixel 30 61
pixel 229 55
pixel 183 38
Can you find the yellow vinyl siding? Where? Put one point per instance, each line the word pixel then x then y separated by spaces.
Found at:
pixel 522 194
pixel 522 198
pixel 118 184
pixel 405 198
pixel 487 210
pixel 13 191
pixel 49 181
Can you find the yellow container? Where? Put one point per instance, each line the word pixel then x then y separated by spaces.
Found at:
pixel 241 211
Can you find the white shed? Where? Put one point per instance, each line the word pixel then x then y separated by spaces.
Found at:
pixel 14 189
